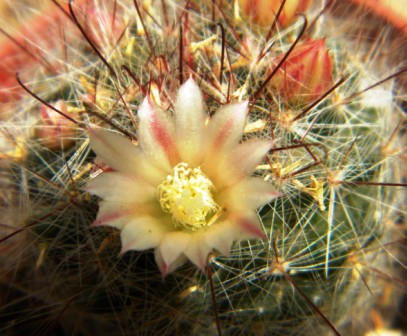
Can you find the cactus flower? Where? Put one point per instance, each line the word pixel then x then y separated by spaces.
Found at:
pixel 185 188
pixel 263 12
pixel 306 74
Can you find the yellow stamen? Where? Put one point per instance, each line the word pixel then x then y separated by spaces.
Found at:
pixel 187 196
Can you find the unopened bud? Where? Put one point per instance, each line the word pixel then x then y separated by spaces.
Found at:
pixel 55 131
pixel 263 12
pixel 306 74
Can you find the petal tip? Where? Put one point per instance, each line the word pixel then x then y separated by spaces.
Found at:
pixel 190 81
pixel 146 108
pixel 202 261
pixel 189 87
pixel 165 270
pixel 244 104
pixel 252 228
pixel 273 194
pixel 242 108
pixel 202 268
pixel 96 223
pixel 124 249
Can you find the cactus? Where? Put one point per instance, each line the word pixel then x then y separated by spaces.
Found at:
pixel 333 237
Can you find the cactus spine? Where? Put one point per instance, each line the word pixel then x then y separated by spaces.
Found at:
pixel 336 162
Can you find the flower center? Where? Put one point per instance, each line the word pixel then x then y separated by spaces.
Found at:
pixel 187 196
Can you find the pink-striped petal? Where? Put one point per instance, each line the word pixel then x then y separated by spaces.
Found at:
pixel 123 156
pixel 113 214
pixel 118 214
pixel 248 194
pixel 190 118
pixel 114 149
pixel 240 162
pixel 220 236
pixel 156 135
pixel 247 226
pixel 168 268
pixel 170 251
pixel 120 187
pixel 225 128
pixel 141 233
pixel 197 251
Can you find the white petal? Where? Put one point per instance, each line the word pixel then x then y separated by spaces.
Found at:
pixel 141 233
pixel 166 269
pixel 190 118
pixel 197 251
pixel 170 250
pixel 122 155
pixel 118 214
pixel 114 214
pixel 156 135
pixel 225 128
pixel 241 162
pixel 121 188
pixel 220 236
pixel 248 194
pixel 113 149
pixel 247 226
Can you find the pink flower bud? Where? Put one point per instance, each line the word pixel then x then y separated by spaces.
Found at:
pixel 39 32
pixel 306 74
pixel 55 131
pixel 263 12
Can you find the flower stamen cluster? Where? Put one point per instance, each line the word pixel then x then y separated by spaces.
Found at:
pixel 187 196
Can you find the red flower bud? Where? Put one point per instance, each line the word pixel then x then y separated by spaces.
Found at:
pixel 263 12
pixel 306 74
pixel 55 131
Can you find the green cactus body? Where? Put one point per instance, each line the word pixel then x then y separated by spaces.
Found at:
pixel 329 234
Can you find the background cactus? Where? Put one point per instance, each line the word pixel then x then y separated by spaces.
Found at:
pixel 334 236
